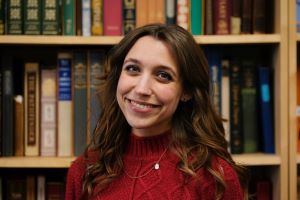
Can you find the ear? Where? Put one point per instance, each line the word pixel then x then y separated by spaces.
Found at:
pixel 185 97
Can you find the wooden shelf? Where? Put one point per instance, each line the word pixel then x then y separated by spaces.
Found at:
pixel 111 40
pixel 257 159
pixel 36 162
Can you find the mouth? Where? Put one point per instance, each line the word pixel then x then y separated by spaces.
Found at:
pixel 141 105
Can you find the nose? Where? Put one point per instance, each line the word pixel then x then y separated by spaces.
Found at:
pixel 143 85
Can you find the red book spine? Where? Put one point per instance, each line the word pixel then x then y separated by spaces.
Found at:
pixel 112 17
pixel 222 17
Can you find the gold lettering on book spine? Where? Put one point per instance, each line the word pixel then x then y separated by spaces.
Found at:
pixel 31 82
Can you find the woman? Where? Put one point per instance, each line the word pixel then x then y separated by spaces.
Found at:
pixel 158 136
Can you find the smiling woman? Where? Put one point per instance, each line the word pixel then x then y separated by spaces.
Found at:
pixel 158 136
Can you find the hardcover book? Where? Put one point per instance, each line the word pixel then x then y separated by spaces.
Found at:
pixel 112 21
pixel 64 117
pixel 51 17
pixel 15 17
pixel 209 24
pixel 86 18
pixel 32 17
pixel 97 17
pixel 170 7
pixel 129 15
pixel 69 17
pixel 32 109
pixel 19 125
pixel 2 17
pixel 247 16
pixel 235 19
pixel 197 17
pixel 142 12
pixel 48 112
pixel 221 17
pixel 259 16
pixel 183 14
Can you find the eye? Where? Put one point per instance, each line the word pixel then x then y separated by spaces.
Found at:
pixel 164 76
pixel 131 68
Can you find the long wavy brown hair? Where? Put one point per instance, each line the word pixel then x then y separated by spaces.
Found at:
pixel 197 129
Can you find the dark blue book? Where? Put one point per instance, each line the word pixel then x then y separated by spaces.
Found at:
pixel 266 112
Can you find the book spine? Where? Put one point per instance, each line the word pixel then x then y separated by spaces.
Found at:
pixel 86 17
pixel 225 96
pixel 78 17
pixel 97 17
pixel 170 7
pixel 19 125
pixel 259 16
pixel 298 16
pixel 246 27
pixel 7 106
pixel 14 17
pixel 160 11
pixel 151 7
pixel 30 187
pixel 80 101
pixel 183 14
pixel 51 17
pixel 32 17
pixel 222 17
pixel 41 187
pixel 129 15
pixel 266 113
pixel 249 106
pixel 142 12
pixel 95 72
pixel 1 113
pixel 2 17
pixel 112 21
pixel 236 138
pixel 236 20
pixel 209 28
pixel 69 17
pixel 48 112
pixel 31 101
pixel 196 17
pixel 64 120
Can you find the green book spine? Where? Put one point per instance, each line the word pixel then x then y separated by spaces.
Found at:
pixel 69 17
pixel 196 17
pixel 32 17
pixel 249 107
pixel 51 17
pixel 15 17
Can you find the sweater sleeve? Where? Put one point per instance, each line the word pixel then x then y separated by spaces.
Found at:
pixel 74 179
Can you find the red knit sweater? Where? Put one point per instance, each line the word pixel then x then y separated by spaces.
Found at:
pixel 165 183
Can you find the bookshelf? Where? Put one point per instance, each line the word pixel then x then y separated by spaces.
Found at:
pixel 284 186
pixel 294 157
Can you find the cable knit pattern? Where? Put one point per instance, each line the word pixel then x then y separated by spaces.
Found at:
pixel 165 183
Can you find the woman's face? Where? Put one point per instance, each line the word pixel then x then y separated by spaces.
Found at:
pixel 149 87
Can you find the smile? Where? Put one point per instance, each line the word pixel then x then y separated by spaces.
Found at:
pixel 141 105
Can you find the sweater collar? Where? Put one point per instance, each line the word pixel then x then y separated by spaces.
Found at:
pixel 148 146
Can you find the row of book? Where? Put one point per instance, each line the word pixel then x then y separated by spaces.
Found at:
pixel 31 187
pixel 58 109
pixel 242 94
pixel 118 17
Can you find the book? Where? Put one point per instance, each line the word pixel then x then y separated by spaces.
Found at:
pixel 64 109
pixel 249 107
pixel 208 24
pixel 225 96
pixel 129 15
pixel 221 17
pixel 298 109
pixel 142 12
pixel 97 17
pixel 265 106
pixel 15 188
pixel 298 16
pixel 32 109
pixel 112 21
pixel 259 16
pixel 264 190
pixel 170 11
pixel 236 137
pixel 69 17
pixel 30 187
pixel 41 187
pixel 95 71
pixel 80 101
pixel 196 17
pixel 55 190
pixel 160 16
pixel 51 17
pixel 246 26
pixel 7 105
pixel 235 18
pixel 2 17
pixel 78 16
pixel 48 112
pixel 86 18
pixel 32 17
pixel 19 126
pixel 15 17
pixel 1 112
pixel 183 14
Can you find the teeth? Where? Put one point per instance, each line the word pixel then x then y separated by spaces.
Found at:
pixel 142 106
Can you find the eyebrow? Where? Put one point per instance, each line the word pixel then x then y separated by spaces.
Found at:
pixel 159 67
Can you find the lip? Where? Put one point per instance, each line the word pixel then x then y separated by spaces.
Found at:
pixel 140 106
